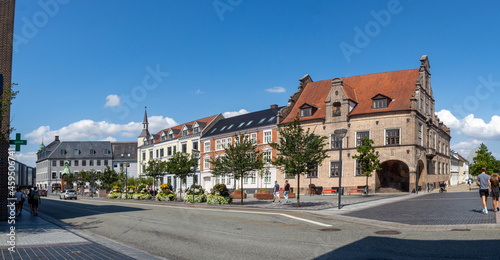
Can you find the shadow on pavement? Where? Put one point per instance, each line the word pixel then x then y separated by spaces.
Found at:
pixel 393 248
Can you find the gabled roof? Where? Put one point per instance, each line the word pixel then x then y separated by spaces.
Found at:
pixel 398 85
pixel 241 123
pixel 176 130
pixel 124 151
pixel 84 148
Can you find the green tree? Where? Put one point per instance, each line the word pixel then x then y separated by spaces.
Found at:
pixel 108 178
pixel 82 178
pixel 483 158
pixel 156 169
pixel 367 159
pixel 181 165
pixel 299 150
pixel 5 103
pixel 241 160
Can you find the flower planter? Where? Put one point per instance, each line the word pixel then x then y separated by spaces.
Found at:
pixel 237 195
pixel 263 195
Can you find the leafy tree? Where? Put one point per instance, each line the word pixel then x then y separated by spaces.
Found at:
pixel 156 169
pixel 483 158
pixel 181 165
pixel 240 160
pixel 82 178
pixel 108 178
pixel 367 159
pixel 298 150
pixel 5 102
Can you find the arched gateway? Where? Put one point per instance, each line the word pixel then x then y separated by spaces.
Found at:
pixel 394 177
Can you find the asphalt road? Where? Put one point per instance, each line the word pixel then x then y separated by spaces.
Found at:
pixel 179 232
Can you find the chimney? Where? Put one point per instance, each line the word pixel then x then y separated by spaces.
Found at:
pixel 273 106
pixel 56 138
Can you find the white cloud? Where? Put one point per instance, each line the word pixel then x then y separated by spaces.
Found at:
pixel 235 113
pixel 276 90
pixel 28 158
pixel 471 126
pixel 464 147
pixel 199 92
pixel 113 101
pixel 88 130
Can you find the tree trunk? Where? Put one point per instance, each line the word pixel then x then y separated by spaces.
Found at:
pixel 241 203
pixel 298 190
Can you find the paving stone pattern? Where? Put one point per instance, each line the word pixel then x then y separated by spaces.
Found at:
pixel 452 208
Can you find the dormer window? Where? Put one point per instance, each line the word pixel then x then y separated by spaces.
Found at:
pixel 163 138
pixel 336 109
pixel 195 130
pixel 63 152
pixel 307 110
pixel 380 101
pixel 171 136
pixel 184 132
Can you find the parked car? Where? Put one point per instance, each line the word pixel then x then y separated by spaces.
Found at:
pixel 68 194
pixel 43 193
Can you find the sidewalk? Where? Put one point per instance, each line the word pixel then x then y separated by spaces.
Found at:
pixel 42 237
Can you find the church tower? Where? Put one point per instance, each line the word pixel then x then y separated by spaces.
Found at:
pixel 145 131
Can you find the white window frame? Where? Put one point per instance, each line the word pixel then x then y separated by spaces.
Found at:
pixel 206 164
pixel 217 145
pixel 385 135
pixel 229 141
pixel 270 137
pixel 207 145
pixel 223 143
pixel 330 169
pixel 253 138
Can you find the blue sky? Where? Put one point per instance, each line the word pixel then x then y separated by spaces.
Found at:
pixel 86 69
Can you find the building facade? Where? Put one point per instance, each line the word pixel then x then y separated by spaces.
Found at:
pixel 395 109
pixel 79 155
pixel 258 127
pixel 459 173
pixel 125 157
pixel 163 145
pixel 25 175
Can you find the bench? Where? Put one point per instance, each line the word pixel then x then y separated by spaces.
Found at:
pixel 360 190
pixel 332 192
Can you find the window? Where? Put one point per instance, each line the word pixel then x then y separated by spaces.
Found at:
pixel 267 177
pixel 217 145
pixel 143 156
pixel 171 136
pixel 336 109
pixel 217 180
pixel 420 127
pixel 150 154
pixel 91 162
pixel 426 108
pixel 334 169
pixel 268 138
pixel 267 156
pixel 184 132
pixel 169 151
pixel 223 179
pixel 63 152
pixel 229 177
pixel 439 146
pixel 359 172
pixel 54 175
pixel 77 152
pixel 54 163
pixel 175 149
pixel 163 138
pixel 262 120
pixel 92 151
pixel 253 138
pixel 421 103
pixel 392 136
pixel 195 145
pixel 335 142
pixel 162 152
pixel 360 136
pixel 157 153
pixel 305 112
pixel 236 140
pixel 271 119
pixel 229 141
pixel 222 129
pixel 313 173
pixel 61 163
pixel 439 168
pixel 195 130
pixel 207 146
pixel 98 162
pixel 84 162
pixel 206 164
pixel 245 179
pixel 184 147
pixel 76 162
pixel 223 143
pixel 379 103
pixel 249 122
pixel 230 126
pixel 253 178
pixel 105 162
pixel 241 124
pixel 107 151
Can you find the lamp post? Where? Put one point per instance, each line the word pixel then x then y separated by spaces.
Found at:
pixel 195 154
pixel 340 133
pixel 125 165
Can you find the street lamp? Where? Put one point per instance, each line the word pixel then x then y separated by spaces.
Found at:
pixel 195 154
pixel 340 133
pixel 125 165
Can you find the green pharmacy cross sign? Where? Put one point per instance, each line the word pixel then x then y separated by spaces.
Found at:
pixel 18 142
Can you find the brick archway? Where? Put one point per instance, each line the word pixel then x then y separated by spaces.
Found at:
pixel 394 177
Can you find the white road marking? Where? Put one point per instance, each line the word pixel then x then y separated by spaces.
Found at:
pixel 226 210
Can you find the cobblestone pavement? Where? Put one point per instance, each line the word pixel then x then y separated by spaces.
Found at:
pixel 37 238
pixel 449 208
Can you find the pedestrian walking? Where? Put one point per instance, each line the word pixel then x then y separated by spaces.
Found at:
pixel 483 181
pixel 286 191
pixel 276 191
pixel 495 190
pixel 19 195
pixel 35 200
